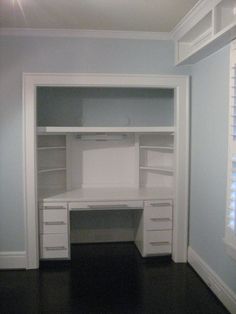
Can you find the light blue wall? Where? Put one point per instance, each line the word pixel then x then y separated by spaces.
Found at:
pixel 71 106
pixel 26 54
pixel 210 97
pixel 209 127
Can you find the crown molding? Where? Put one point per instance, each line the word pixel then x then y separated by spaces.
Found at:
pixel 73 33
pixel 201 8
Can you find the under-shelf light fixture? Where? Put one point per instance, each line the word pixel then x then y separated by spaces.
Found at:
pixel 101 137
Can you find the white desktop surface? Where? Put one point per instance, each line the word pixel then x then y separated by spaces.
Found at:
pixel 111 194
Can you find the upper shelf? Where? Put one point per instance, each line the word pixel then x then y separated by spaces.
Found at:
pixel 65 130
pixel 212 30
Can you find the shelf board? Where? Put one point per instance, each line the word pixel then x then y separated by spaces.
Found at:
pixel 156 147
pixel 51 147
pixel 63 130
pixel 162 169
pixel 51 170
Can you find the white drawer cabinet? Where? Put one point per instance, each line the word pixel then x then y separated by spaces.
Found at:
pixel 154 232
pixel 54 231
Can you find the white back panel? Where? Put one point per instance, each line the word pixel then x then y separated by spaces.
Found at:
pixel 101 163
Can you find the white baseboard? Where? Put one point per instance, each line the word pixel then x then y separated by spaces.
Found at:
pixel 12 260
pixel 214 282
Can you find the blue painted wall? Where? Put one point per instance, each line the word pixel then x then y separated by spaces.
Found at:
pixel 28 54
pixel 208 133
pixel 210 101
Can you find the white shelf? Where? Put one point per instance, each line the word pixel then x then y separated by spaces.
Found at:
pixel 156 147
pixel 162 169
pixel 51 147
pixel 63 130
pixel 51 170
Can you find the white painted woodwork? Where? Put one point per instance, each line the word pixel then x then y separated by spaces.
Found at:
pixel 153 234
pixel 207 28
pixel 54 230
pixel 52 164
pixel 174 186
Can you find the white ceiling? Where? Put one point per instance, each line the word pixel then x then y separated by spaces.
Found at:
pixel 114 15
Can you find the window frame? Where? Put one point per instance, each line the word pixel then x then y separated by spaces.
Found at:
pixel 230 235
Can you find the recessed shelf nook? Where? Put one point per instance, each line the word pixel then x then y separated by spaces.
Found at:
pixel 105 143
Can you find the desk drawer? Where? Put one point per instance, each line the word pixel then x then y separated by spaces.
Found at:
pixel 53 221
pixel 117 205
pixel 158 218
pixel 53 206
pixel 158 242
pixel 161 205
pixel 54 246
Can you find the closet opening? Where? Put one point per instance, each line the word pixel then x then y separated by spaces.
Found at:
pixel 108 165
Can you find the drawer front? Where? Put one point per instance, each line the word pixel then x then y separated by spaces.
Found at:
pixel 53 205
pixel 54 246
pixel 53 221
pixel 158 204
pixel 158 218
pixel 158 242
pixel 153 249
pixel 117 205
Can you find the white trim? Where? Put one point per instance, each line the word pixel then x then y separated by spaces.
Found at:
pixel 214 282
pixel 201 8
pixel 181 86
pixel 12 260
pixel 74 33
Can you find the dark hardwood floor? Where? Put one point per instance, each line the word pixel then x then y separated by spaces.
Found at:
pixel 107 278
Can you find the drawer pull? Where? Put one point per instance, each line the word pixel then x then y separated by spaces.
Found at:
pixel 159 243
pixel 160 219
pixel 54 207
pixel 160 204
pixel 108 206
pixel 55 248
pixel 54 223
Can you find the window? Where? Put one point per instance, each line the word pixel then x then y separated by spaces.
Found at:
pixel 230 232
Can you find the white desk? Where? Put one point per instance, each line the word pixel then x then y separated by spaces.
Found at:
pixel 153 234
